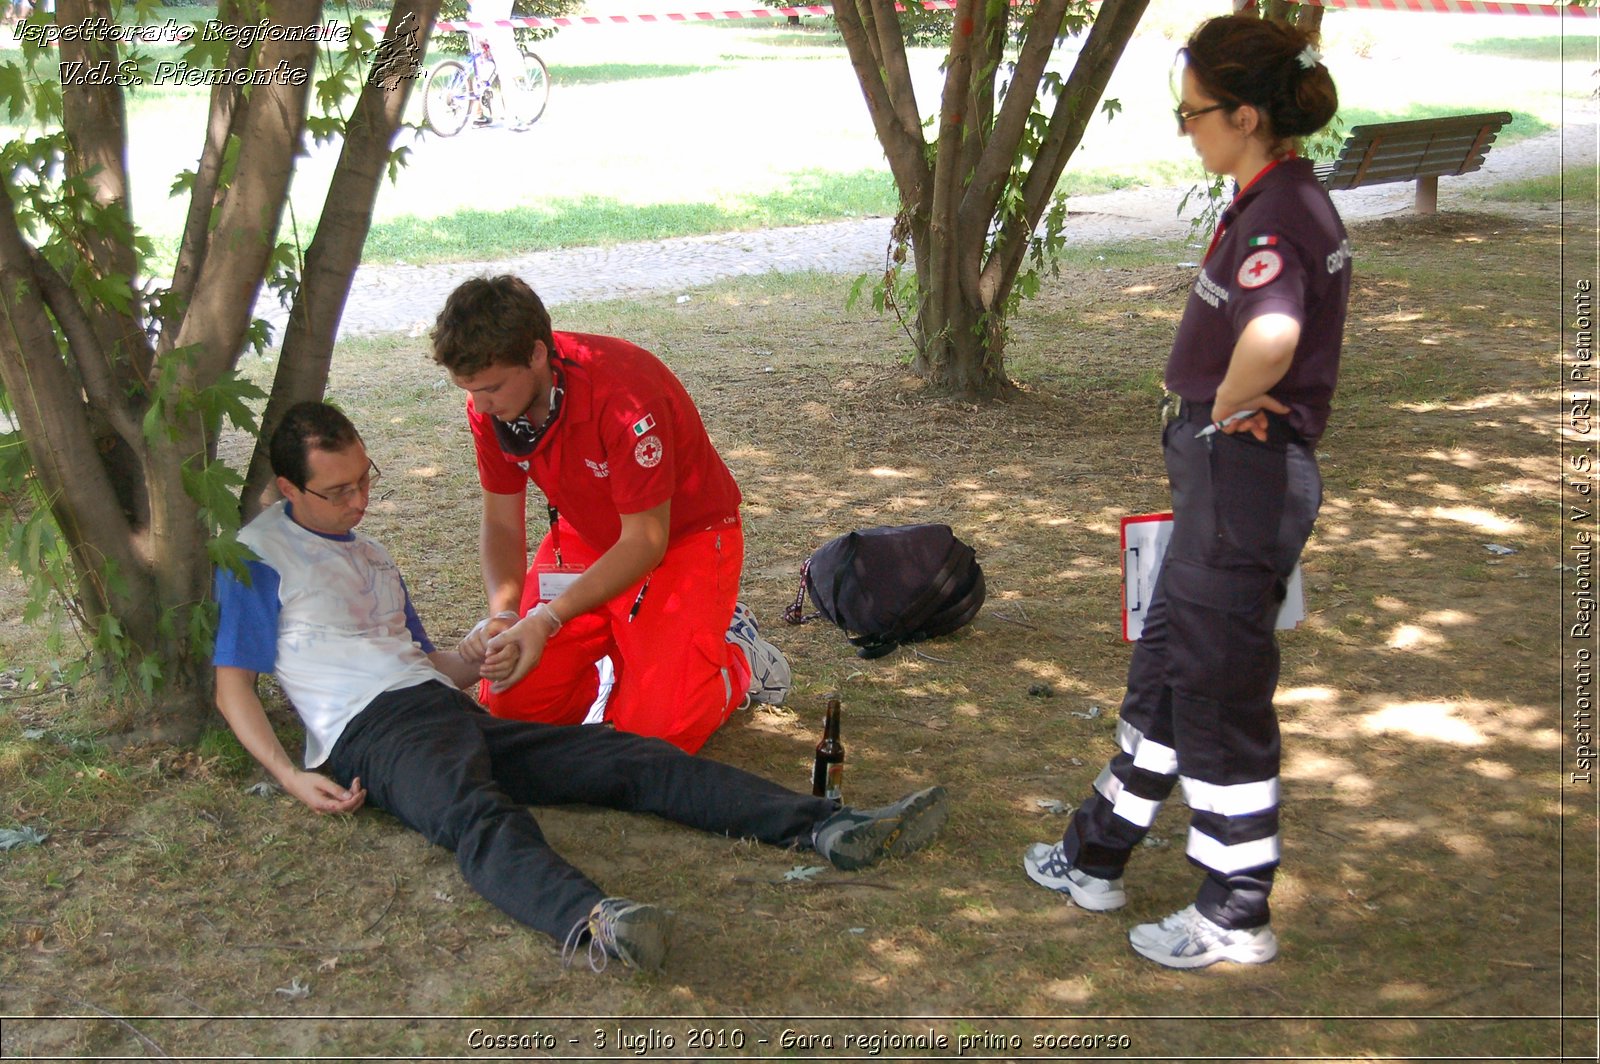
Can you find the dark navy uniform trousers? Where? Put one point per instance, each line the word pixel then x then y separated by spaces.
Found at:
pixel 434 759
pixel 1199 701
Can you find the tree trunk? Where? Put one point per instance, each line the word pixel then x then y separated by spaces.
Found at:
pixel 972 201
pixel 335 250
pixel 114 426
pixel 959 350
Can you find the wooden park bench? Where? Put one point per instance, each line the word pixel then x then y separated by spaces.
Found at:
pixel 1420 150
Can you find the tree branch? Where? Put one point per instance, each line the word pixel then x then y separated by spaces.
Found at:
pixel 96 124
pixel 49 410
pixel 93 367
pixel 891 52
pixel 989 54
pixel 335 250
pixel 203 196
pixel 1005 138
pixel 948 172
pixel 1108 37
pixel 246 230
pixel 903 144
pixel 211 336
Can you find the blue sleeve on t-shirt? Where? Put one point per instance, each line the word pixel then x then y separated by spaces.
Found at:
pixel 247 628
pixel 414 623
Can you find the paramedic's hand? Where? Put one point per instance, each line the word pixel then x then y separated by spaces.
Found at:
pixel 322 794
pixel 1256 424
pixel 514 652
pixel 474 646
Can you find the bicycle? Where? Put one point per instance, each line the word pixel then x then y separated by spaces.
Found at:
pixel 457 89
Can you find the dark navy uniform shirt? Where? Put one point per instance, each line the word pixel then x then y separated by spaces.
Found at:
pixel 1281 250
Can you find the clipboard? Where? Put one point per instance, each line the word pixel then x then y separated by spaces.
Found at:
pixel 1144 543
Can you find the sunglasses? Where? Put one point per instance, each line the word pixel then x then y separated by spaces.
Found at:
pixel 1184 116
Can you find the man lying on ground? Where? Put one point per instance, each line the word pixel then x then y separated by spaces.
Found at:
pixel 326 610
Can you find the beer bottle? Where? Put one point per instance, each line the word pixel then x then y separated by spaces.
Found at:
pixel 827 774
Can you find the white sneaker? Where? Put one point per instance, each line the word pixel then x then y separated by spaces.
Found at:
pixel 770 678
pixel 1048 867
pixel 1190 939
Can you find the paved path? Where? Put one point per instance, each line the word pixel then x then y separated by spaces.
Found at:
pixel 393 298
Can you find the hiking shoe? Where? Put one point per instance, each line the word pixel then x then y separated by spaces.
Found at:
pixel 1190 939
pixel 635 934
pixel 770 678
pixel 860 838
pixel 1047 866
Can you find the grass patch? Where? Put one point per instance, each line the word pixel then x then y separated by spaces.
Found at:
pixel 1522 124
pixel 1539 48
pixel 473 235
pixel 608 73
pixel 1579 182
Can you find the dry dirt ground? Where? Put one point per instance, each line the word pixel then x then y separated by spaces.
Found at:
pixel 1437 890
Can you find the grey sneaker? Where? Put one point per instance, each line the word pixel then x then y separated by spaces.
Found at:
pixel 1048 867
pixel 859 838
pixel 770 678
pixel 635 934
pixel 1189 939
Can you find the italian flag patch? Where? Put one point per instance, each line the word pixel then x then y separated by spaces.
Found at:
pixel 644 425
pixel 1263 241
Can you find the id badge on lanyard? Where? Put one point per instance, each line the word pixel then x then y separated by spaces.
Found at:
pixel 555 579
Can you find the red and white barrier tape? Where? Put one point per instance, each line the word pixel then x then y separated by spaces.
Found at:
pixel 1459 7
pixel 1464 7
pixel 677 16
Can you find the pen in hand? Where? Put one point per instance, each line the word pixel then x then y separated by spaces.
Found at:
pixel 1224 423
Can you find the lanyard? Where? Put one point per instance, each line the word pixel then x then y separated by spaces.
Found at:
pixel 1227 215
pixel 555 532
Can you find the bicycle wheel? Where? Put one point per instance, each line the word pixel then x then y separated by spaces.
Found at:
pixel 535 88
pixel 447 98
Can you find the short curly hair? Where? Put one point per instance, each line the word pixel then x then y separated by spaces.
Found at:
pixel 490 321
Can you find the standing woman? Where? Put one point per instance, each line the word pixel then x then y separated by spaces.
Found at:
pixel 1253 369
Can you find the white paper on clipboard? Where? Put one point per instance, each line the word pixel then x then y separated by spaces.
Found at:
pixel 1144 543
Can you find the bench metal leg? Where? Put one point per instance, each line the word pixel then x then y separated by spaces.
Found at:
pixel 1427 195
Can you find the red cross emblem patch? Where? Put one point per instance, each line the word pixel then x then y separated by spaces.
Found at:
pixel 1259 268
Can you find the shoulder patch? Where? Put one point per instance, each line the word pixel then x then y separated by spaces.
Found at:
pixel 643 425
pixel 1263 241
pixel 649 451
pixel 1260 267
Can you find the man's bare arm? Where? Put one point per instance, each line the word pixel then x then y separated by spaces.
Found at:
pixel 503 549
pixel 241 708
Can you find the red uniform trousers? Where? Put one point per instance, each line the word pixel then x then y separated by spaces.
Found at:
pixel 677 676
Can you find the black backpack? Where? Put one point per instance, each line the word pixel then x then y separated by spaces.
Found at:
pixel 892 585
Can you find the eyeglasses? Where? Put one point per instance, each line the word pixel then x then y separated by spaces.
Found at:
pixel 340 496
pixel 1184 116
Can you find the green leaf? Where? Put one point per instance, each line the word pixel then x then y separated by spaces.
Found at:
pixel 149 673
pixel 14 91
pixel 226 552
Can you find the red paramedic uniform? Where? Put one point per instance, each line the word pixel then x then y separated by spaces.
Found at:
pixel 626 439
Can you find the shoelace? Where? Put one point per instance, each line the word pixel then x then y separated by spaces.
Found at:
pixel 1199 932
pixel 1056 864
pixel 596 927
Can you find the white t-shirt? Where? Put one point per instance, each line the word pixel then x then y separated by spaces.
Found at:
pixel 329 615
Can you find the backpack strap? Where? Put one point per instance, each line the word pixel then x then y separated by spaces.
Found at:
pixel 912 616
pixel 795 612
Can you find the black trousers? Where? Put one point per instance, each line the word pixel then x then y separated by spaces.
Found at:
pixel 430 756
pixel 1199 702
